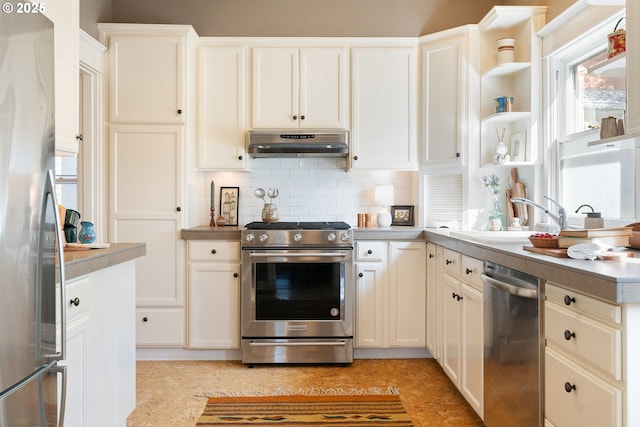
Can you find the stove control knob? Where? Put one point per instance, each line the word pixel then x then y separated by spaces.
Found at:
pixel 264 237
pixel 344 237
pixel 249 237
pixel 297 237
pixel 331 237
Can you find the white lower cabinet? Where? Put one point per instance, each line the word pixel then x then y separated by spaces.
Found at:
pixel 214 294
pixel 390 294
pixel 461 320
pixel 78 317
pixel 583 360
pixel 146 198
pixel 100 357
pixel 433 318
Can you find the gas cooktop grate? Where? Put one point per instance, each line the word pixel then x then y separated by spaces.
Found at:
pixel 306 225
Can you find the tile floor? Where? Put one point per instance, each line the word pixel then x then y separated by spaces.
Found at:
pixel 173 393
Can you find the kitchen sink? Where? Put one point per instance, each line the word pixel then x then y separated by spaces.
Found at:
pixel 493 237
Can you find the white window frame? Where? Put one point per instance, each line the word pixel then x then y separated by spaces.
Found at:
pixel 558 87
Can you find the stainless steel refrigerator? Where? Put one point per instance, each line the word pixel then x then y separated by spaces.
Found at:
pixel 32 324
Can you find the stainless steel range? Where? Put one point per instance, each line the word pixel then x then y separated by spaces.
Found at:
pixel 297 292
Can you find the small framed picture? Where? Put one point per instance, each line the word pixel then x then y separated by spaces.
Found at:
pixel 229 200
pixel 519 146
pixel 401 215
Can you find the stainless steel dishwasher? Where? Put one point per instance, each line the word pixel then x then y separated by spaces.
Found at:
pixel 513 350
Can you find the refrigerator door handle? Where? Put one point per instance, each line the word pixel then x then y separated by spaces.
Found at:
pixel 50 194
pixel 61 369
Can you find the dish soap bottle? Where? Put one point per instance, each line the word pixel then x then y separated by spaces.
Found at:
pixel 593 219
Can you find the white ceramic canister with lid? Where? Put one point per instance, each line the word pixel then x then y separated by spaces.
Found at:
pixel 506 52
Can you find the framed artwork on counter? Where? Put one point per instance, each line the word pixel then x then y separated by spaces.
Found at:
pixel 402 215
pixel 229 201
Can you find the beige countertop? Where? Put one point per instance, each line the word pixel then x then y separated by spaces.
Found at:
pixel 79 263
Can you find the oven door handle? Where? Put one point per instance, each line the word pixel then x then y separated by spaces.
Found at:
pixel 299 255
pixel 295 344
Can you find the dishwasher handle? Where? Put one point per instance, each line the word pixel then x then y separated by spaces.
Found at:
pixel 511 288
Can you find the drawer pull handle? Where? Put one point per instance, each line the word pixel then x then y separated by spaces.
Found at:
pixel 369 251
pixel 568 335
pixel 468 271
pixel 568 300
pixel 448 262
pixel 568 387
pixel 213 251
pixel 75 302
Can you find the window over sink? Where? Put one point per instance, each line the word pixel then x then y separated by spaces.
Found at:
pixel 585 87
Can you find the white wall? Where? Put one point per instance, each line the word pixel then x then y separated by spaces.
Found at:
pixel 310 189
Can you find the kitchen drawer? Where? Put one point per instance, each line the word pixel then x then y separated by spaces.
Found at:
pixel 593 402
pixel 583 304
pixel 451 262
pixel 472 271
pixel 78 298
pixel 212 250
pixel 371 251
pixel 160 327
pixel 584 338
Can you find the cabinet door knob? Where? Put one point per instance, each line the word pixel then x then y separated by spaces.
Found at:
pixel 178 209
pixel 239 157
pixel 360 275
pixel 568 300
pixel 369 251
pixel 468 271
pixel 355 158
pixel 179 111
pixel 458 155
pixel 302 117
pixel 431 255
pixel 145 319
pixel 213 251
pixel 80 137
pixel 568 387
pixel 448 262
pixel 295 117
pixel 568 335
pixel 235 275
pixel 75 301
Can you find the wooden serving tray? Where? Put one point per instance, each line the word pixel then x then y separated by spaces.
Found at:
pixel 556 252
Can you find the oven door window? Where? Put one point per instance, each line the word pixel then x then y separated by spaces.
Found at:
pixel 299 291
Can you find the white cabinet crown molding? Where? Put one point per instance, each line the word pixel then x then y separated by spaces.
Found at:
pixel 91 52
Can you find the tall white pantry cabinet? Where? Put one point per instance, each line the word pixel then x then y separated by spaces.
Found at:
pixel 150 117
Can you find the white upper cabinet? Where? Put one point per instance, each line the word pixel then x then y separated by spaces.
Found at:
pixel 449 95
pixel 384 97
pixel 141 62
pixel 299 87
pixel 65 16
pixel 222 107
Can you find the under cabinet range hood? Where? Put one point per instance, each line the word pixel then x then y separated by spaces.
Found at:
pixel 298 143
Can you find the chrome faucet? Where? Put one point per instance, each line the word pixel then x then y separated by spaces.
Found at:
pixel 560 218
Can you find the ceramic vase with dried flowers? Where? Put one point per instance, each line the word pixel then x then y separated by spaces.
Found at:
pixel 496 218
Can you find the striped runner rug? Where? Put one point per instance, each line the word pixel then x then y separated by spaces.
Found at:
pixel 344 411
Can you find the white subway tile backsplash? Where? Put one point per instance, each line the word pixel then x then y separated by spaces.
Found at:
pixel 310 190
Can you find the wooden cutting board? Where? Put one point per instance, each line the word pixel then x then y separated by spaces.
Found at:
pixel 518 190
pixel 556 252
